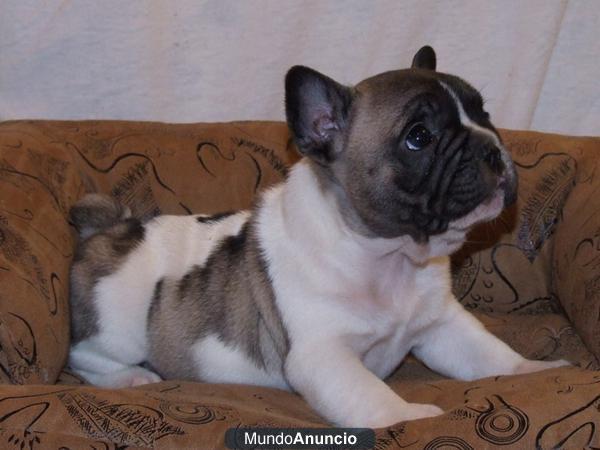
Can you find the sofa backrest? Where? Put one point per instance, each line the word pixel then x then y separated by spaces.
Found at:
pixel 522 263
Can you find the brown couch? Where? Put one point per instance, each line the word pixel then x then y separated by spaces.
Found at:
pixel 533 276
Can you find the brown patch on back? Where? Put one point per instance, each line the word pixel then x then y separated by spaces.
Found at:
pixel 231 297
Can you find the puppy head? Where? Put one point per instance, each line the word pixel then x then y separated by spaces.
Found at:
pixel 408 152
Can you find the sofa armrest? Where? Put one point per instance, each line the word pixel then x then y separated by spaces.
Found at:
pixel 505 266
pixel 576 258
pixel 38 182
pixel 541 255
pixel 45 166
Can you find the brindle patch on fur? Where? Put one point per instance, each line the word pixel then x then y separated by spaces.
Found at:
pixel 156 298
pixel 231 297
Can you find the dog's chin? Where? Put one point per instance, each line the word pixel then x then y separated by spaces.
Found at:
pixel 489 209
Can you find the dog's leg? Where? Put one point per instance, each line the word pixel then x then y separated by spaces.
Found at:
pixel 459 346
pixel 334 381
pixel 97 366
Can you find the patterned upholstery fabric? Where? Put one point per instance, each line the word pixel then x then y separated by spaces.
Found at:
pixel 532 276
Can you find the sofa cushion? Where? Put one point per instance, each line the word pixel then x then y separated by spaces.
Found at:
pixel 556 408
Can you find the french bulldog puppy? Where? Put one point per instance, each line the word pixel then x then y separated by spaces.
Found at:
pixel 332 278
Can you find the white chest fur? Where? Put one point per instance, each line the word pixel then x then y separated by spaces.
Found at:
pixel 332 284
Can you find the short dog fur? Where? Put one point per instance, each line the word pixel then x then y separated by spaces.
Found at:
pixel 332 278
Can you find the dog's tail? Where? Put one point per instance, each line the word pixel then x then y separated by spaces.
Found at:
pixel 96 212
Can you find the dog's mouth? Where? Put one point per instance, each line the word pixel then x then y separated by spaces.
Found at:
pixel 487 210
pixel 502 195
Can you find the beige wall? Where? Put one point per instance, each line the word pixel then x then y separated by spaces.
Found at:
pixel 536 61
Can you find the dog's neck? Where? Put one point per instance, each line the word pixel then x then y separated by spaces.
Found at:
pixel 312 208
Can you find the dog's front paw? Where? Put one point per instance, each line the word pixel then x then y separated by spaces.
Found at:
pixel 416 411
pixel 409 411
pixel 146 378
pixel 135 376
pixel 529 366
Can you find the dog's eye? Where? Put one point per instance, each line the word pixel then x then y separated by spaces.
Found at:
pixel 418 137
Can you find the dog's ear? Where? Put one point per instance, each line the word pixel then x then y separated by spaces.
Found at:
pixel 316 108
pixel 424 58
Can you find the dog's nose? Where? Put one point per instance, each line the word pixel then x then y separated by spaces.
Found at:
pixel 493 158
